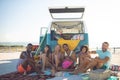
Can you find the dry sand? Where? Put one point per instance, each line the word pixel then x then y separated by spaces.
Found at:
pixel 8 61
pixel 15 55
pixel 7 56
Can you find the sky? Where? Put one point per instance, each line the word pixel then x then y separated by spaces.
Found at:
pixel 21 20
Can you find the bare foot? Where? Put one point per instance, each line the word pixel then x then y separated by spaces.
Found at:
pixel 53 72
pixel 25 73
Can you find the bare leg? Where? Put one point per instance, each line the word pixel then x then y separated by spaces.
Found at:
pixel 80 69
pixel 25 64
pixel 28 62
pixel 91 65
pixel 43 61
pixel 33 65
pixel 83 67
pixel 99 65
pixel 76 71
pixel 56 61
pixel 38 68
pixel 52 66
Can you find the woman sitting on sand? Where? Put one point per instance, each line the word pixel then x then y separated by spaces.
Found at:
pixel 57 56
pixel 85 61
pixel 46 58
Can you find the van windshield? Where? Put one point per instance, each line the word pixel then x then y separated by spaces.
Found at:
pixel 67 30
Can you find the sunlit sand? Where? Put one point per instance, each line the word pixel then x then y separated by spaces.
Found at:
pixel 8 61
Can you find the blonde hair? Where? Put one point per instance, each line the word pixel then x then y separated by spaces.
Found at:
pixel 59 46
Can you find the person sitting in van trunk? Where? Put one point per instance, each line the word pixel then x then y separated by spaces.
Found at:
pixel 69 58
pixel 26 62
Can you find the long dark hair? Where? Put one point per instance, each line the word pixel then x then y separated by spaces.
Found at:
pixel 85 48
pixel 49 50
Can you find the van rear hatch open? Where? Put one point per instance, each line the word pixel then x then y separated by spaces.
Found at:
pixel 67 13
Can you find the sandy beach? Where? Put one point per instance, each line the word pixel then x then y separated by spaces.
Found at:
pixel 8 61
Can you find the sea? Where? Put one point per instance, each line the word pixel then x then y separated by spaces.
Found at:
pixel 17 43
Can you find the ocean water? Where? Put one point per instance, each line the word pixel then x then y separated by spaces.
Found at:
pixel 17 43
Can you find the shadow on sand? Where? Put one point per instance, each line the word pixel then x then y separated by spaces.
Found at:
pixel 7 66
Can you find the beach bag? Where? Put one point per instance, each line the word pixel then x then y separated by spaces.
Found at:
pixel 67 63
pixel 115 68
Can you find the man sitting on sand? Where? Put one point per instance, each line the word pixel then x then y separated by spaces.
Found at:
pixel 103 59
pixel 26 62
pixel 69 58
pixel 104 56
pixel 101 62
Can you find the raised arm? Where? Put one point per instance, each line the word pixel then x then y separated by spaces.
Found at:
pixel 74 57
pixel 22 56
pixel 92 52
pixel 102 60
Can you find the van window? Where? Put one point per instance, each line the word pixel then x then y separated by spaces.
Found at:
pixel 67 30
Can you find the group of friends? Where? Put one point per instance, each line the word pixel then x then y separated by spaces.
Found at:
pixel 66 60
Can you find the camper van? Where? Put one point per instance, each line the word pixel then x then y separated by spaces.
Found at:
pixel 67 26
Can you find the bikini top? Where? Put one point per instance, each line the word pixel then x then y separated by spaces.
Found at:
pixel 66 55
